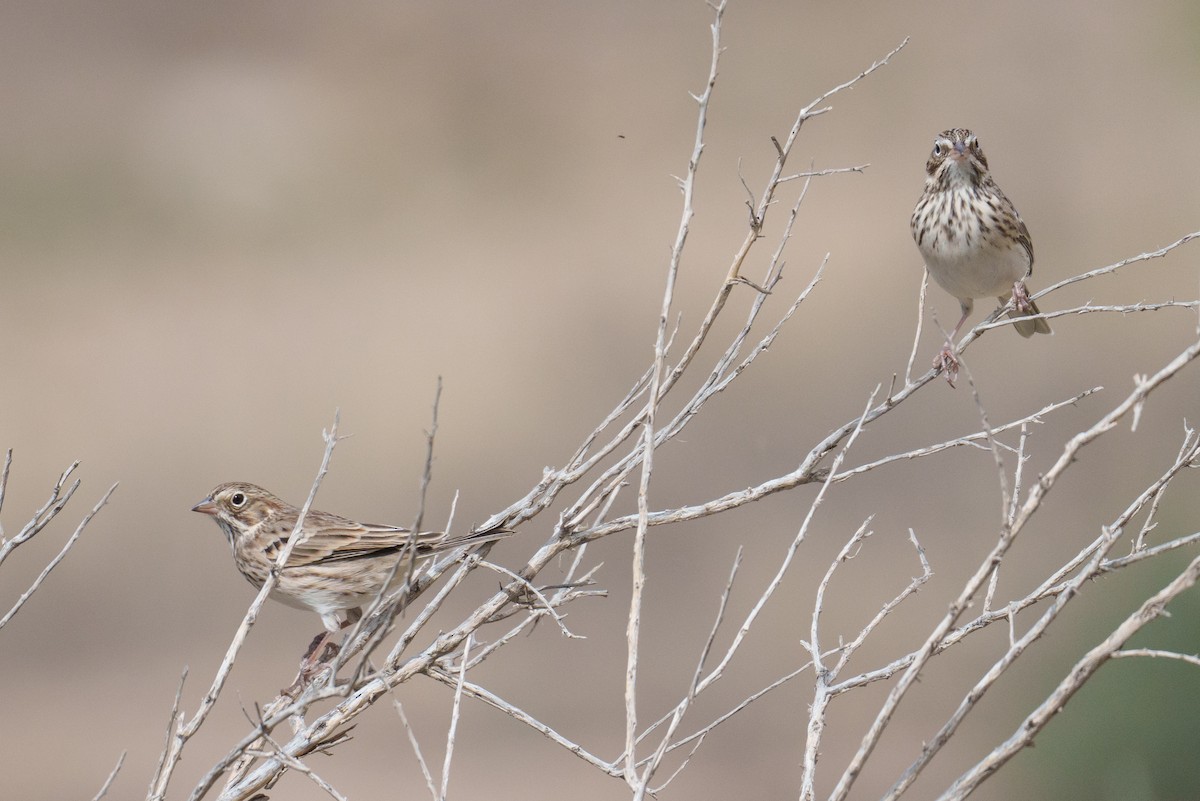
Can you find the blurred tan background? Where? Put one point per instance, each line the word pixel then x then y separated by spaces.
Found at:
pixel 219 222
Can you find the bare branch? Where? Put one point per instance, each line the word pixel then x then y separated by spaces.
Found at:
pixel 454 717
pixel 59 497
pixel 416 747
pixel 1150 609
pixel 427 473
pixel 111 777
pixel 641 425
pixel 70 543
pixel 1154 653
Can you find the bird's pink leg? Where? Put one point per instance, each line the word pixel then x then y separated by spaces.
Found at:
pixel 319 653
pixel 947 359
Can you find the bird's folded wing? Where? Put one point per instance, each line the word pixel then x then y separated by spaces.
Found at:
pixel 340 541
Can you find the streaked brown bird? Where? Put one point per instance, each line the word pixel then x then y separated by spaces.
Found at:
pixel 338 565
pixel 974 243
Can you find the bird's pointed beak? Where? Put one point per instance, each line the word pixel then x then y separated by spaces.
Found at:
pixel 206 507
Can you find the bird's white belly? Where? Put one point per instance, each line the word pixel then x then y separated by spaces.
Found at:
pixel 976 271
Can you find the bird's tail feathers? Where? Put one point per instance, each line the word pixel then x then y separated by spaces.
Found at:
pixel 1025 327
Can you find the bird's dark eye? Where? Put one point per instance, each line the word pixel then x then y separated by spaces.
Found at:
pixel 237 500
pixel 937 149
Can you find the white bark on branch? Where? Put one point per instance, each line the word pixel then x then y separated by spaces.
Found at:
pixel 650 416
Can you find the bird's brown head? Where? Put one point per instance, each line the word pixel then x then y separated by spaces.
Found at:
pixel 956 157
pixel 240 503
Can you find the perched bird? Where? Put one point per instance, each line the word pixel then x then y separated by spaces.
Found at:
pixel 974 242
pixel 337 567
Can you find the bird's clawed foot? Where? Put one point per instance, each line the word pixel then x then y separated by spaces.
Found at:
pixel 947 361
pixel 319 654
pixel 1021 299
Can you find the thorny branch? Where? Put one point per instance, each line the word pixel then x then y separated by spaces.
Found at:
pixel 60 496
pixel 647 418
